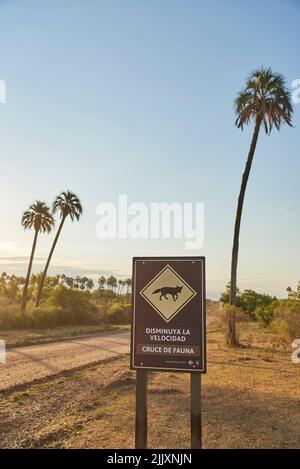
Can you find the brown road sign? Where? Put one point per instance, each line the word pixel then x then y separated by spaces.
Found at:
pixel 168 314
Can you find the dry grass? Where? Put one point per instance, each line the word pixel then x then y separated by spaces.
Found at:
pixel 20 337
pixel 250 399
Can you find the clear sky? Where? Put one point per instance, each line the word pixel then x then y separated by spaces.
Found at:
pixel 136 97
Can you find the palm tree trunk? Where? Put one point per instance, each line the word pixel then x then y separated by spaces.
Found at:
pixel 41 286
pixel 24 299
pixel 232 338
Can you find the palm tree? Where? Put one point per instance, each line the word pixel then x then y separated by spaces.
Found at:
pixel 83 282
pixel 68 205
pixel 101 282
pixel 69 282
pixel 121 285
pixel 264 101
pixel 111 282
pixel 40 219
pixel 128 283
pixel 89 284
pixel 77 282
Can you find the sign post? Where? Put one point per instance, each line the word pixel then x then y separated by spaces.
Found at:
pixel 168 330
pixel 196 426
pixel 141 410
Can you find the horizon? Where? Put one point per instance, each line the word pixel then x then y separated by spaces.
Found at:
pixel 112 105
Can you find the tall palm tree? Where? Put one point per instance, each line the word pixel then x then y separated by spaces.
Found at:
pixel 40 219
pixel 77 282
pixel 121 285
pixel 112 282
pixel 266 102
pixel 128 283
pixel 89 284
pixel 83 282
pixel 101 282
pixel 68 205
pixel 69 282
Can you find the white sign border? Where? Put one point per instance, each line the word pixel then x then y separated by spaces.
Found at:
pixel 177 259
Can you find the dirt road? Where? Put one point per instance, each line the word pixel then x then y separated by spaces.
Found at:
pixel 250 399
pixel 32 363
pixel 28 364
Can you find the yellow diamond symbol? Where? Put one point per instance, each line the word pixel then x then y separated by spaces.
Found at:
pixel 168 293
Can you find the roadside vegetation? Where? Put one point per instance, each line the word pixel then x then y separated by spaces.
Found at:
pixel 40 301
pixel 280 316
pixel 67 301
pixel 21 337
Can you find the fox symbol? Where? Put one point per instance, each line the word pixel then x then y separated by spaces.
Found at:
pixel 164 291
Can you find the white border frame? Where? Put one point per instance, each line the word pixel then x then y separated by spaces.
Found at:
pixel 169 259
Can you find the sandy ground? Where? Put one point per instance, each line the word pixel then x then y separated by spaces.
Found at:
pixel 30 364
pixel 44 414
pixel 33 363
pixel 250 399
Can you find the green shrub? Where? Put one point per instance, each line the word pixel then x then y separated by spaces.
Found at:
pixel 102 311
pixel 11 317
pixel 248 300
pixel 287 319
pixel 265 314
pixel 51 316
pixel 76 304
pixel 63 307
pixel 118 313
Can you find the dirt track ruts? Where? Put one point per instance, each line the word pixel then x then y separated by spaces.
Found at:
pixel 35 362
pixel 32 363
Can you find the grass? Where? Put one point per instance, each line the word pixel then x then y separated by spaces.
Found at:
pixel 19 397
pixel 15 338
pixel 250 399
pixel 19 337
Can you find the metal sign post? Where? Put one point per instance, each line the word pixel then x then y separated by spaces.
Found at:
pixel 168 330
pixel 141 410
pixel 195 383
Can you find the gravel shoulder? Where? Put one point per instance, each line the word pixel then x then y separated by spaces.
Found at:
pixel 34 363
pixel 250 399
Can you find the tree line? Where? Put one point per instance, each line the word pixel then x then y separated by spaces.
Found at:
pixel 12 286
